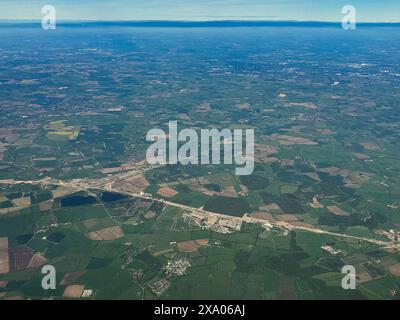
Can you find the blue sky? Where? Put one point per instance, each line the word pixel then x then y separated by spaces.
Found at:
pixel 322 10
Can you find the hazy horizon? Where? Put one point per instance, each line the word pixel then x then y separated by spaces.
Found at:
pixel 202 10
pixel 203 22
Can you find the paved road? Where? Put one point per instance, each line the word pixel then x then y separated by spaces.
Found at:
pixel 107 185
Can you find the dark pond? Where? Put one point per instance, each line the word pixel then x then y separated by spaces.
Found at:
pixel 111 196
pixel 24 238
pixel 74 201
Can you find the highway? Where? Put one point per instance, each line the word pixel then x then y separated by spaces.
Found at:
pixel 106 184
